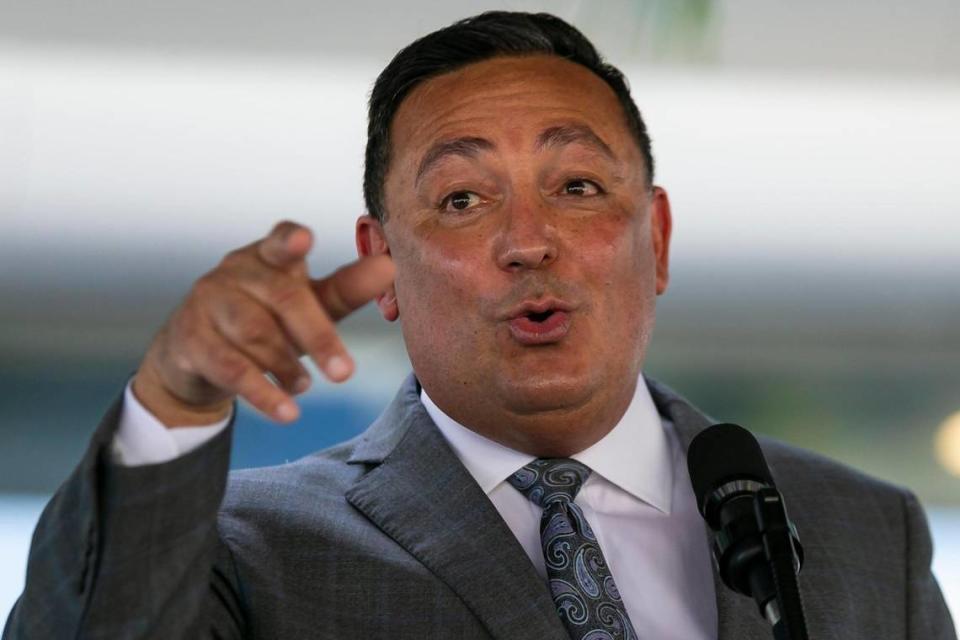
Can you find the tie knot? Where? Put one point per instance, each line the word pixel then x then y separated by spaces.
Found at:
pixel 550 480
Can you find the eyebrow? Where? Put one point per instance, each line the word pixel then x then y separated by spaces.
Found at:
pixel 468 147
pixel 565 134
pixel 471 146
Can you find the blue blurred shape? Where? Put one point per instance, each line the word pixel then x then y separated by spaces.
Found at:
pixel 324 421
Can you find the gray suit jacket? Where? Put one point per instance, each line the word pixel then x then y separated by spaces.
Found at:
pixel 388 536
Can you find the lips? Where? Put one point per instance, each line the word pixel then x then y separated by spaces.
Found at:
pixel 540 322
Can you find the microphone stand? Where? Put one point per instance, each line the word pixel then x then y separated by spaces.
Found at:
pixel 785 611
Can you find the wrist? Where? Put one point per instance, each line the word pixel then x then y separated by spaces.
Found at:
pixel 171 410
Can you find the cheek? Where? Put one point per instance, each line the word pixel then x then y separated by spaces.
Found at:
pixel 611 251
pixel 437 276
pixel 619 269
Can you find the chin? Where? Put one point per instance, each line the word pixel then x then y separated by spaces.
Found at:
pixel 536 392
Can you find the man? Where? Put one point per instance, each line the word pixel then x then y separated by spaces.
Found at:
pixel 527 481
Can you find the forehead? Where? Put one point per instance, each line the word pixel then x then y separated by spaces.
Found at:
pixel 509 100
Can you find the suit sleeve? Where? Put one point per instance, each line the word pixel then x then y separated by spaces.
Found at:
pixel 132 552
pixel 927 615
pixel 142 439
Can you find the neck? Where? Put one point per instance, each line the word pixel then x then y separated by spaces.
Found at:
pixel 558 432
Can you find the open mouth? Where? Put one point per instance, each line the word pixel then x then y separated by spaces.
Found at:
pixel 540 327
pixel 541 316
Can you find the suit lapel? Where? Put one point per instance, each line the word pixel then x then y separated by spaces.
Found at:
pixel 737 616
pixel 420 495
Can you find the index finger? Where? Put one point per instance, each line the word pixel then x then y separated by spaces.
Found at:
pixel 287 243
pixel 352 286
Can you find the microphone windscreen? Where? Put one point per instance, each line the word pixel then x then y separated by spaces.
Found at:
pixel 722 453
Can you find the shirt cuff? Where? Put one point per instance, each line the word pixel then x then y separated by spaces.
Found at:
pixel 142 439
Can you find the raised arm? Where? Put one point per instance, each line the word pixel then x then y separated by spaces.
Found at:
pixel 133 551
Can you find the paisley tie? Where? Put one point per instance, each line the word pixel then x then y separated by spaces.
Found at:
pixel 581 584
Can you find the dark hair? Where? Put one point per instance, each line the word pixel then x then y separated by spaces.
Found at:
pixel 488 35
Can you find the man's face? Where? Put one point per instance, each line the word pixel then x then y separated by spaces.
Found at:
pixel 529 250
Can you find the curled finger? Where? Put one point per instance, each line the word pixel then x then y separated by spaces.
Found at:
pixel 254 331
pixel 226 367
pixel 292 301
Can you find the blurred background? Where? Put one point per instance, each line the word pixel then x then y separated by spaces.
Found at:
pixel 810 149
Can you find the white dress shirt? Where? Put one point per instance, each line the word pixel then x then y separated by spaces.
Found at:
pixel 638 500
pixel 142 439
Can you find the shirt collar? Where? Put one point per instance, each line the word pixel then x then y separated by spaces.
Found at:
pixel 635 455
pixel 489 462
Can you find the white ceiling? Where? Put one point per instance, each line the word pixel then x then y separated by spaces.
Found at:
pixel 800 134
pixel 883 36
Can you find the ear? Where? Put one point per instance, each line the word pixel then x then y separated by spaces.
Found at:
pixel 661 224
pixel 372 241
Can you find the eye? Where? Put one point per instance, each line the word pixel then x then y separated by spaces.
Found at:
pixel 581 187
pixel 460 201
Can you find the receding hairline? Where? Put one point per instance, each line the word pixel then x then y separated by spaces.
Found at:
pixel 481 38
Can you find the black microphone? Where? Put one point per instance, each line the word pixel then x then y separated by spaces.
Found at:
pixel 756 548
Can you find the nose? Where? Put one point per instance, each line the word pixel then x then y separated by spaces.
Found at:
pixel 527 239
